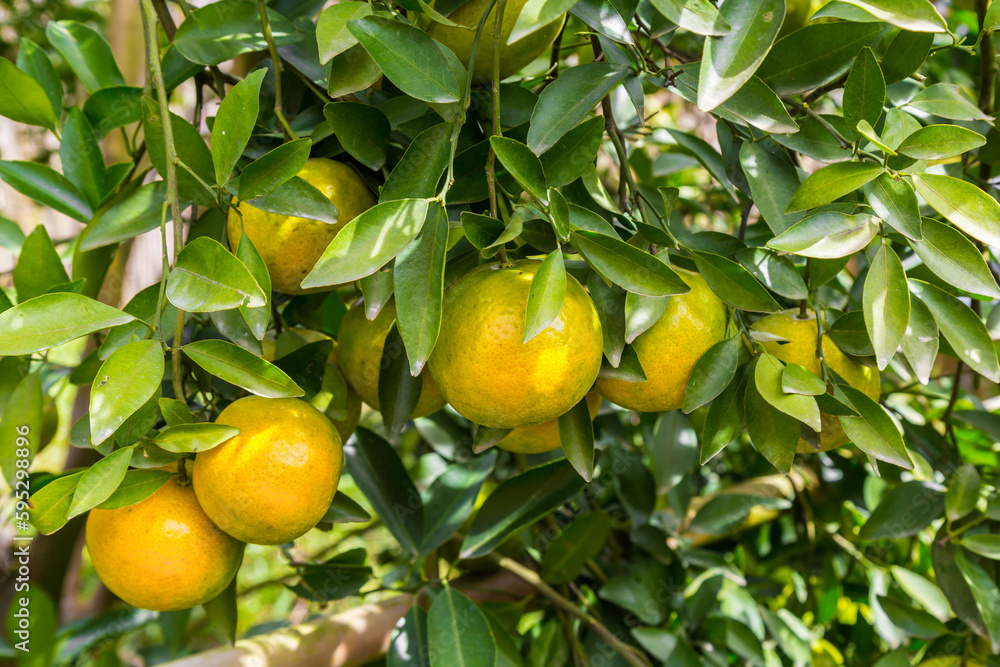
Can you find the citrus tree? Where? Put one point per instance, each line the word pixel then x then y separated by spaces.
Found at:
pixel 582 332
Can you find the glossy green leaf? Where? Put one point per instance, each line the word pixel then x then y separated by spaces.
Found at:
pixel 753 104
pixel 734 284
pixel 222 30
pixel 773 181
pixel 894 200
pixel 772 432
pixel 535 15
pixel 418 172
pixel 627 266
pixel 984 544
pixel 409 58
pixel 938 142
pixel 706 155
pixel 873 430
pixel 948 253
pixel 827 235
pixel 207 278
pixel 22 99
pixel 234 124
pixel 768 374
pixel 724 420
pixel 545 296
pixel 948 101
pixel 774 271
pixel 114 107
pixel 518 502
pixel 53 319
pixel 136 486
pixel 905 510
pixel 244 369
pixel 864 91
pixel 190 148
pixel 963 492
pixel 127 379
pixel 39 267
pixel 81 157
pixel 963 204
pixel 961 327
pixel 418 281
pixel 886 304
pixel 576 434
pixel 332 33
pixel 86 52
pixel 139 211
pixel 451 498
pixel 352 71
pixel 296 197
pixel 566 102
pixel 832 182
pixel 523 166
pixel 193 438
pixel 731 59
pixel 46 186
pixel 698 16
pixel 398 388
pixel 51 503
pixel 920 342
pixel 460 634
pixel 362 130
pixel 987 596
pixel 914 15
pixel 712 373
pixel 378 472
pixel 642 312
pixel 368 241
pixel 268 172
pixel 924 592
pixel 35 62
pixel 579 542
pixel 20 423
pixel 797 379
pixel 99 482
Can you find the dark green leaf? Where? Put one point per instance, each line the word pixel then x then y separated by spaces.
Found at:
pixel 87 54
pixel 81 157
pixel 268 172
pixel 244 369
pixel 713 372
pixel 39 267
pixel 46 186
pixel 832 182
pixel 523 166
pixel 398 388
pixel 627 266
pixel 864 91
pixel 297 198
pixel 963 492
pixel 223 30
pixel 576 150
pixel 724 420
pixel 772 182
pixel 734 284
pixel 772 433
pixel 580 541
pixel 937 142
pixel 576 434
pixel 460 634
pixel 894 200
pixel 953 257
pixel 986 594
pixel 234 124
pixel 418 172
pixel 35 62
pixel 886 304
pixel 920 342
pixel 545 296
pixel 451 498
pixel 904 511
pixel 362 130
pixel 22 99
pixel 114 107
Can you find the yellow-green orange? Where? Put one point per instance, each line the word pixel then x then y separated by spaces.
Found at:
pixel 290 245
pixel 801 349
pixel 323 400
pixel 484 369
pixel 275 480
pixel 513 57
pixel 360 344
pixel 164 553
pixel 543 437
pixel 669 349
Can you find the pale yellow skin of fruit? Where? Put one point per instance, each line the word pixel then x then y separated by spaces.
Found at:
pixel 275 480
pixel 484 369
pixel 801 350
pixel 164 553
pixel 344 427
pixel 290 246
pixel 513 57
pixel 669 349
pixel 543 437
pixel 360 344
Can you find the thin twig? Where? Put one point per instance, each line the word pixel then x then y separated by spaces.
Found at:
pixel 265 26
pixel 745 218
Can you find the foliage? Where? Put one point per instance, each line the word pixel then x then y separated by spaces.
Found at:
pixel 844 168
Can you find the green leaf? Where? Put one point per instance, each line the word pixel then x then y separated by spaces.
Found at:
pixel 772 433
pixel 99 481
pixel 51 503
pixel 731 59
pixel 937 142
pixel 460 634
pixel 376 469
pixel 985 545
pixel 924 592
pixel 139 211
pixel 35 62
pixel 961 327
pixel 268 172
pixel 698 16
pixel 724 420
pixel 886 303
pixel 894 200
pixel 224 29
pixel 127 379
pixel 20 424
pixel 706 155
pixel 362 130
pixel 408 645
pixel 726 511
pixel 87 54
pixel 114 107
pixel 418 281
pixel 610 303
pixel 576 434
pixel 258 317
pixel 864 91
pixel 191 150
pixel 352 71
pixel 192 438
pixel 627 266
pixel 873 430
pixel 297 198
pixel 768 374
pixel 832 182
pixel 815 141
pixel 451 497
pixel 523 166
pixel 418 172
pixel 398 389
pixel 712 373
pixel 81 157
pixel 234 124
pixel 50 320
pixel 866 131
pixel 774 271
pixel 136 486
pixel 963 492
pixel 827 235
pixel 22 99
pixel 948 101
pixel 46 186
pixel 734 284
pixel 175 412
pixel 920 342
pixel 545 296
pixel 773 181
pixel 954 258
pixel 345 510
pixel 208 278
pixel 642 312
pixel 986 594
pixel 579 542
pixel 235 365
pixel 797 379
pixel 567 101
pixel 409 58
pixel 39 267
pixel 332 33
pixel 904 511
pixel 368 241
pixel 753 104
pixel 913 15
pixel 535 15
pixel 963 204
pixel 518 502
pixel 816 55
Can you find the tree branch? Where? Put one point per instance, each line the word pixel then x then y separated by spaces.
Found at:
pixel 276 62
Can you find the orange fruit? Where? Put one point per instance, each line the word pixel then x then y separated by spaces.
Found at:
pixel 543 437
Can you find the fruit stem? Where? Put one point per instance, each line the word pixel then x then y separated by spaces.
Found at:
pixel 265 25
pixel 153 44
pixel 182 476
